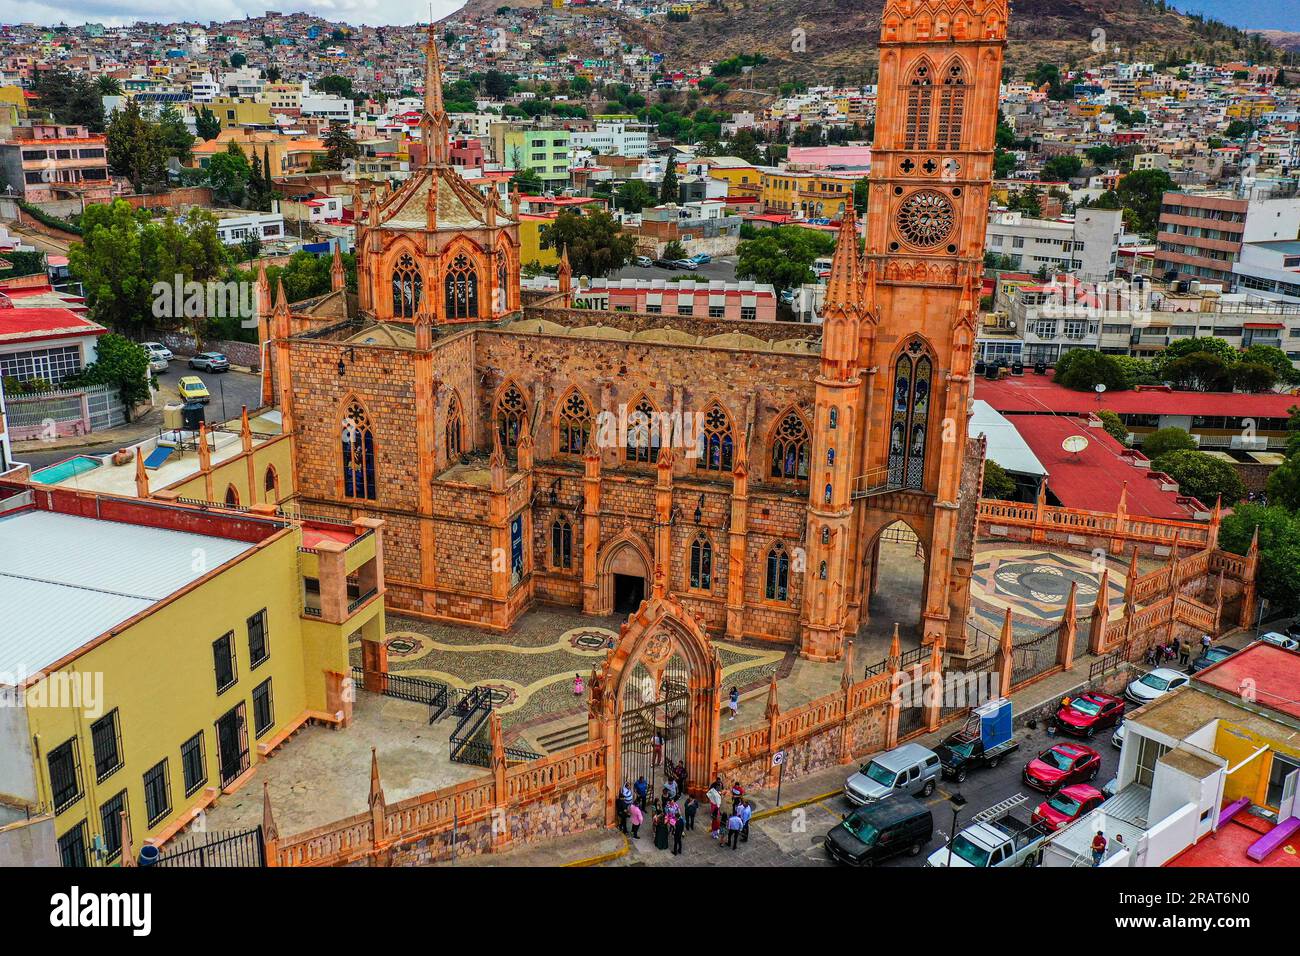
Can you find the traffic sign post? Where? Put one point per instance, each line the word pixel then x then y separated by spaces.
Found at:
pixel 778 760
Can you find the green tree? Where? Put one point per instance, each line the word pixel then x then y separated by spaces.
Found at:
pixel 997 483
pixel 1199 371
pixel 1139 195
pixel 1283 486
pixel 527 181
pixel 177 140
pixel 782 256
pixel 206 124
pixel 1162 441
pixel 135 147
pixel 1085 369
pixel 633 196
pixel 335 85
pixel 744 146
pixel 237 60
pixel 596 244
pixel 108 86
pixel 668 186
pixel 339 145
pixel 1279 549
pixel 70 98
pixel 674 250
pixel 1062 168
pixel 1113 426
pixel 228 174
pixel 120 363
pixel 1202 476
pixel 1252 377
pixel 1275 359
pixel 860 194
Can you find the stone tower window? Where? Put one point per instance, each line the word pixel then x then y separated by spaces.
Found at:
pixel 455 427
pixel 511 409
pixel 778 574
pixel 717 446
pixel 790 447
pixel 920 98
pixel 643 438
pixel 702 563
pixel 408 288
pixel 952 106
pixel 460 293
pixel 358 446
pixel 561 543
pixel 909 417
pixel 575 424
pixel 502 303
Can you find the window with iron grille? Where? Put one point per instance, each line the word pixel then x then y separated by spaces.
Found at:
pixel 72 846
pixel 157 792
pixel 258 651
pixel 223 657
pixel 106 740
pixel 263 708
pixel 65 775
pixel 110 816
pixel 194 763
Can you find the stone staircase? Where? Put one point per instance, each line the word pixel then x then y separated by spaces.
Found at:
pixel 558 737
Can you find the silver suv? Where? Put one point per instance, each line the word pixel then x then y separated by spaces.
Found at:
pixel 910 768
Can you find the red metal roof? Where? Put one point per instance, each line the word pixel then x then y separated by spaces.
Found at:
pixel 1274 674
pixel 35 324
pixel 1038 393
pixel 1094 478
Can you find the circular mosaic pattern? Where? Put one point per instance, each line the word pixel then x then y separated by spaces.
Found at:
pixel 590 638
pixel 1045 583
pixel 925 218
pixel 406 645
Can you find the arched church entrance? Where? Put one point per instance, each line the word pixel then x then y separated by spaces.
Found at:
pixel 896 571
pixel 624 577
pixel 657 699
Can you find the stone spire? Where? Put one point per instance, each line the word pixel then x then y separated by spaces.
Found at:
pixel 141 477
pixel 269 830
pixel 376 788
pixel 565 271
pixel 843 307
pixel 338 277
pixel 434 123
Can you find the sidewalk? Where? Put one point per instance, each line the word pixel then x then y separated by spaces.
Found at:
pixel 141 427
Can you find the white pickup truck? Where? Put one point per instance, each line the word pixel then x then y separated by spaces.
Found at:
pixel 994 838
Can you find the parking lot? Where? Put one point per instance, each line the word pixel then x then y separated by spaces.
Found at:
pixel 723 269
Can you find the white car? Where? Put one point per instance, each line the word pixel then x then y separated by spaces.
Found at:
pixel 1280 640
pixel 158 350
pixel 1117 738
pixel 1154 684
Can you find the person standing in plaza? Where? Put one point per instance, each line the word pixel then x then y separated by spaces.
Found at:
pixel 661 829
pixel 715 826
pixel 636 816
pixel 642 788
pixel 1098 848
pixel 734 826
pixel 620 809
pixel 1185 651
pixel 692 806
pixel 745 811
pixel 733 702
pixel 714 796
pixel 679 829
pixel 737 793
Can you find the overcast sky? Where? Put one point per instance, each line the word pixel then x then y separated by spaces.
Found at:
pixel 119 12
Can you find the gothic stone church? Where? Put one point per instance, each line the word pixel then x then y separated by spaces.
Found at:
pixel 465 413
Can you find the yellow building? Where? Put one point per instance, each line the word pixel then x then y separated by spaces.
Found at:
pixel 12 96
pixel 163 651
pixel 530 241
pixel 733 171
pixel 813 195
pixel 286 154
pixel 233 112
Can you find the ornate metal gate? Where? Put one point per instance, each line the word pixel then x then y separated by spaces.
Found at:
pixel 651 710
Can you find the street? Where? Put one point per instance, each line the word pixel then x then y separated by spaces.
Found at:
pixel 229 391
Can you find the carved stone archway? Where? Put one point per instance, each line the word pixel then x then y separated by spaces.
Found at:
pixel 627 555
pixel 660 631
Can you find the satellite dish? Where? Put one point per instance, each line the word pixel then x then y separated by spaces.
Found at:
pixel 1099 387
pixel 1074 444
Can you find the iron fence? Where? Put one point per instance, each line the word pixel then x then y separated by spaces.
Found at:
pixel 237 848
pixel 419 690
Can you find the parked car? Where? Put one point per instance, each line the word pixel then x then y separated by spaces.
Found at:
pixel 1211 655
pixel 687 264
pixel 1117 738
pixel 1067 805
pixel 880 830
pixel 993 838
pixel 1061 765
pixel 666 263
pixel 910 768
pixel 1154 684
pixel 210 362
pixel 701 258
pixel 192 389
pixel 644 261
pixel 1280 640
pixel 1089 713
pixel 158 349
pixel 982 742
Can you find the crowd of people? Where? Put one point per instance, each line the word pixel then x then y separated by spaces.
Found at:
pixel 673 812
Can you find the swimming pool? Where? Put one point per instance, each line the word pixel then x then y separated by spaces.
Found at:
pixel 66 469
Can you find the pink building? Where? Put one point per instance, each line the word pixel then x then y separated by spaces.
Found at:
pixel 746 301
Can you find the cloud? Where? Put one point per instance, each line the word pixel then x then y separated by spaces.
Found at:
pixel 125 12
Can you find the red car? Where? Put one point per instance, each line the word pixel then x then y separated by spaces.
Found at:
pixel 1089 713
pixel 1067 805
pixel 1062 765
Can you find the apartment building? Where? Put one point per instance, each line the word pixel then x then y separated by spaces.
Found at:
pixel 544 151
pixel 1087 245
pixel 613 139
pixel 44 162
pixel 1201 234
pixel 1270 269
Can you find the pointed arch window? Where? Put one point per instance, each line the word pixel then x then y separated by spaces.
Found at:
pixel 702 564
pixel 408 288
pixel 510 412
pixel 561 543
pixel 575 424
pixel 460 292
pixel 909 416
pixel 778 574
pixel 790 445
pixel 920 98
pixel 643 438
pixel 717 445
pixel 952 106
pixel 502 303
pixel 358 446
pixel 271 485
pixel 232 496
pixel 455 427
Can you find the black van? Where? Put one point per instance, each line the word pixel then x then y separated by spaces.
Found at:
pixel 878 831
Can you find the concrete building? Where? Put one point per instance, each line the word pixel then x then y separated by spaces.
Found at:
pixel 1201 234
pixel 1087 245
pixel 43 162
pixel 544 151
pixel 1270 270
pixel 613 139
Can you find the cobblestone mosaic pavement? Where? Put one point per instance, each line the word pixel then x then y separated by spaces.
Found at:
pixel 533 664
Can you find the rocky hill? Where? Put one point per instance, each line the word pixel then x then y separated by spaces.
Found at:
pixel 839 36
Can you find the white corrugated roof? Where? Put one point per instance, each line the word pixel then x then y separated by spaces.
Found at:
pixel 66 579
pixel 1005 444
